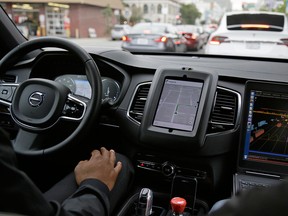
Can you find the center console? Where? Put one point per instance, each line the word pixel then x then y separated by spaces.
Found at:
pixel 176 113
pixel 181 201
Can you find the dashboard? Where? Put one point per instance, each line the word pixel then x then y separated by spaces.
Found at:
pixel 169 114
pixel 134 84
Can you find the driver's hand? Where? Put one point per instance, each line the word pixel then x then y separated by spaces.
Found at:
pixel 101 166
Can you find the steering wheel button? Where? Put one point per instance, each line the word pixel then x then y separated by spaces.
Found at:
pixel 73 109
pixel 5 92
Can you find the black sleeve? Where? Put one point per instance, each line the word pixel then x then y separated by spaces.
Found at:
pixel 91 198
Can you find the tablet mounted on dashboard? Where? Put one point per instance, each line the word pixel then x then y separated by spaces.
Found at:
pixel 178 107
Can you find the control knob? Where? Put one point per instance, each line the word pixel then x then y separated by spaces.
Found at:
pixel 178 205
pixel 168 169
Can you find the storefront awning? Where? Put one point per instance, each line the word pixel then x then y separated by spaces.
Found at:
pixel 114 4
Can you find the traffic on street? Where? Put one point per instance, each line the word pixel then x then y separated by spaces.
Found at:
pixel 105 42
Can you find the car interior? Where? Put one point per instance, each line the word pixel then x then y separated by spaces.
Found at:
pixel 186 121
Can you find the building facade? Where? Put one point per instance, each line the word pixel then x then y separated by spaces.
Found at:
pixel 155 10
pixel 72 18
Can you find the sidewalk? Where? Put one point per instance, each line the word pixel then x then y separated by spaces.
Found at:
pixel 98 41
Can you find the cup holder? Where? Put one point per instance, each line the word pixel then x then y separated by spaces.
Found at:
pixel 129 209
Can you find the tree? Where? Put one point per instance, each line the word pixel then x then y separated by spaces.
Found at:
pixel 107 13
pixel 189 13
pixel 136 15
pixel 282 7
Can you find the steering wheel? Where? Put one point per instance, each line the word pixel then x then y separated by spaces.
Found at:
pixel 37 104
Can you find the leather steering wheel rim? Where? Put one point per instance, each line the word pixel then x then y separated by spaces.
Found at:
pixel 93 106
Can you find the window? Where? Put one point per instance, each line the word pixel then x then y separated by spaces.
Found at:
pixel 261 22
pixel 145 9
pixel 159 9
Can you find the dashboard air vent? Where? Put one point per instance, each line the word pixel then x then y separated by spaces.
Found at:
pixel 225 110
pixel 137 106
pixel 7 78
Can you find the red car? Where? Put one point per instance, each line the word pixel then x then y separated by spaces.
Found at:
pixel 195 37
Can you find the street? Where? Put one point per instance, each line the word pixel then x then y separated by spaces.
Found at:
pixel 98 42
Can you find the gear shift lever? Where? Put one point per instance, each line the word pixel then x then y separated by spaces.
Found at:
pixel 145 201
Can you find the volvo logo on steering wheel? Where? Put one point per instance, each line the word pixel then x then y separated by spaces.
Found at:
pixel 36 99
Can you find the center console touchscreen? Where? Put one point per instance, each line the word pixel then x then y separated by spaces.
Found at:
pixel 178 104
pixel 263 146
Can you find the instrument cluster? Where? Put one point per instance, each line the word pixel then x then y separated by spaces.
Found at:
pixel 79 85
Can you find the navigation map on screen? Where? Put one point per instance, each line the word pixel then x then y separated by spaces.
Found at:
pixel 178 104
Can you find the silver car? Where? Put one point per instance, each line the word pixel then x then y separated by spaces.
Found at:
pixel 154 37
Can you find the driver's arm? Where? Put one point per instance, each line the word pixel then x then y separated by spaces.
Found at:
pixel 18 194
pixel 96 177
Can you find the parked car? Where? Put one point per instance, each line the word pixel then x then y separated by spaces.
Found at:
pixel 194 35
pixel 250 33
pixel 153 37
pixel 119 30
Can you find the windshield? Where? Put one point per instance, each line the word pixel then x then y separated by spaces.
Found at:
pixel 250 28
